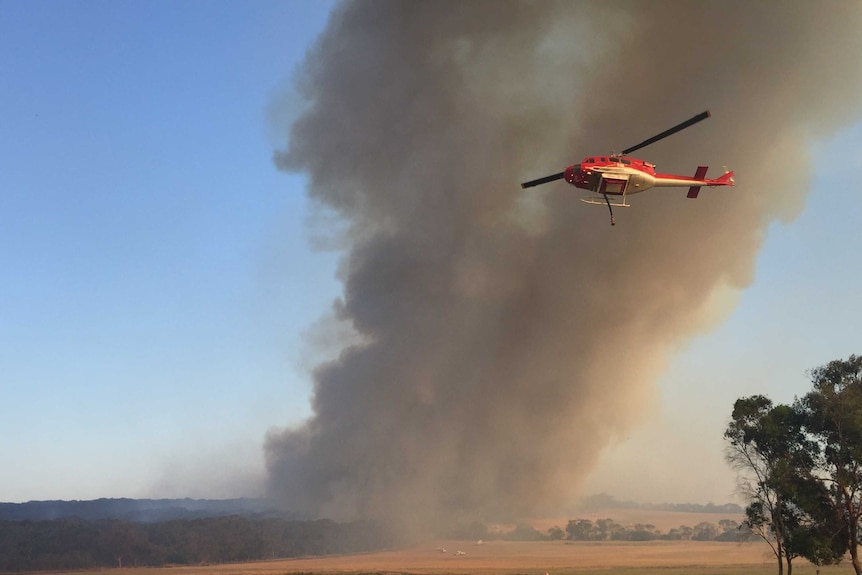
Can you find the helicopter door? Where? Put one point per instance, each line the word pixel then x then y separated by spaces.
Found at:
pixel 615 184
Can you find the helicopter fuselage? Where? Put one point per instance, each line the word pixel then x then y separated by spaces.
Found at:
pixel 622 175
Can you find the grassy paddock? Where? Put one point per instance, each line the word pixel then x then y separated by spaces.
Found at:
pixel 527 558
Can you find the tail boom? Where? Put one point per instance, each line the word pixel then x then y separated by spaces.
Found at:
pixel 693 183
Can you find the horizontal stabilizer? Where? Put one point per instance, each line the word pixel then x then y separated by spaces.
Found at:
pixel 698 175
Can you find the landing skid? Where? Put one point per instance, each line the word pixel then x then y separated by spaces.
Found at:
pixel 602 202
pixel 605 200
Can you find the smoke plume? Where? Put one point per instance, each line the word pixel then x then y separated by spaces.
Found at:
pixel 506 336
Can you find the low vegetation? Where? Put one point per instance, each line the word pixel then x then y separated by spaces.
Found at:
pixel 79 544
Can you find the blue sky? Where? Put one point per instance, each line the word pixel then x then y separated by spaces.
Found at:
pixel 156 272
pixel 157 276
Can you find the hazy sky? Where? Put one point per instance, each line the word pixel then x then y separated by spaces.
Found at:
pixel 159 280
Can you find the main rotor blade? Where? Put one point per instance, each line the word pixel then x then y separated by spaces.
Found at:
pixel 666 133
pixel 544 180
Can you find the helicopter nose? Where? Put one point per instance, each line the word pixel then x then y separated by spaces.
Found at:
pixel 572 172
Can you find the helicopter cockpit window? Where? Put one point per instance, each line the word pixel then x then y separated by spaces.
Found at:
pixel 590 160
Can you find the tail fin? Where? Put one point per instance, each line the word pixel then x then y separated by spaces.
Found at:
pixel 698 175
pixel 726 179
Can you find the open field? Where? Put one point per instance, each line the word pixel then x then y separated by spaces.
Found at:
pixel 509 558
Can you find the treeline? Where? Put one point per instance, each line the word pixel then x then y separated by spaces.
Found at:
pixel 609 530
pixel 78 544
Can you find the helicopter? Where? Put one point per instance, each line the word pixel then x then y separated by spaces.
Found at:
pixel 621 175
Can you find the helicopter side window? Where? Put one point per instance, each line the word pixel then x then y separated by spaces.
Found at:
pixel 615 159
pixel 627 162
pixel 604 159
pixel 591 160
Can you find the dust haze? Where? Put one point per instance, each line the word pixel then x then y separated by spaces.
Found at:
pixel 504 337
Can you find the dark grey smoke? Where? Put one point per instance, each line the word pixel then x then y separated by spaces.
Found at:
pixel 509 335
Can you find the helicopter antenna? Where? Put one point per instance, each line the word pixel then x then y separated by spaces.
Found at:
pixel 690 122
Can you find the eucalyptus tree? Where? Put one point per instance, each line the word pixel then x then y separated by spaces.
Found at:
pixel 832 414
pixel 774 457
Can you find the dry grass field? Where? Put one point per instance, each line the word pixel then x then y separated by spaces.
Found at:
pixel 529 558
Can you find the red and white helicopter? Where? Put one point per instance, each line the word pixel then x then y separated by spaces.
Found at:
pixel 620 175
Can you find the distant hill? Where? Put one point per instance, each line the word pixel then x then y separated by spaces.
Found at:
pixel 141 510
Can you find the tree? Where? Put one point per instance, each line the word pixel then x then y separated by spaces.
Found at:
pixel 579 529
pixel 681 533
pixel 767 445
pixel 816 531
pixel 832 414
pixel 607 529
pixel 523 532
pixel 732 530
pixel 705 531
